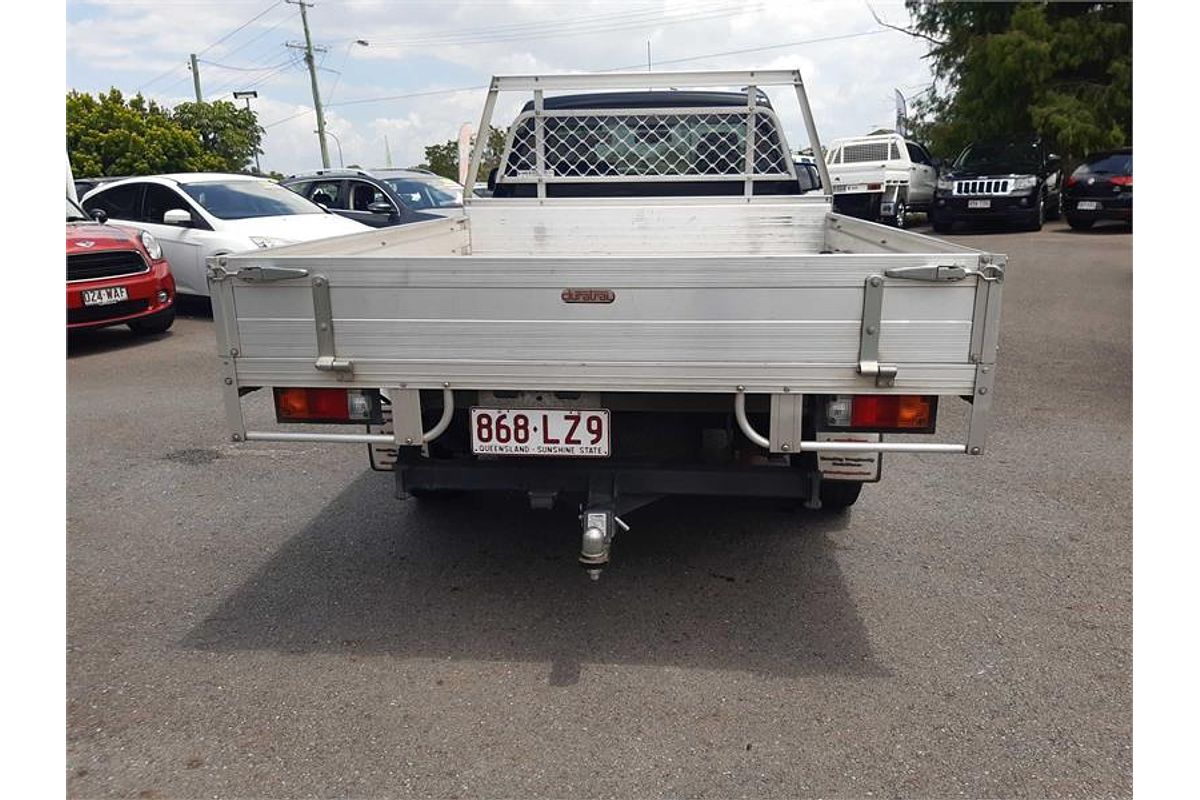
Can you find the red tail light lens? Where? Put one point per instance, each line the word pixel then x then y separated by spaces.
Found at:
pixel 301 404
pixel 1071 181
pixel 911 413
pixel 1122 180
pixel 874 187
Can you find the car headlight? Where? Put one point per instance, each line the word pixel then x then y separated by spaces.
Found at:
pixel 945 184
pixel 267 241
pixel 1023 183
pixel 153 248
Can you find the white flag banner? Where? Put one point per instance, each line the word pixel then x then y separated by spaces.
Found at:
pixel 901 114
pixel 465 134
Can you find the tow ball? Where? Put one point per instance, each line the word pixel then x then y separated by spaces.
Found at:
pixel 599 526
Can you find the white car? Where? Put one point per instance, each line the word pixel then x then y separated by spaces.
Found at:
pixel 881 177
pixel 198 215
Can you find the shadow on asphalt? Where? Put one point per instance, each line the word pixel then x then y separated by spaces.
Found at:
pixel 698 583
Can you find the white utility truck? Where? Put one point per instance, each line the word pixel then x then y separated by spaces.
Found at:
pixel 881 177
pixel 645 307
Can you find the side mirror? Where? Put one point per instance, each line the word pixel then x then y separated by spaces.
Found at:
pixel 1053 160
pixel 177 216
pixel 100 215
pixel 381 207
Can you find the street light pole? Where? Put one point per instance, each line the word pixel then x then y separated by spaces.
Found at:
pixel 341 160
pixel 247 95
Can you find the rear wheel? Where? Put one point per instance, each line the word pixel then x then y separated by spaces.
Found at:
pixel 156 323
pixel 1080 224
pixel 839 495
pixel 900 218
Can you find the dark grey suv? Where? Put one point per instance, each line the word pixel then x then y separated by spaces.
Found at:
pixel 380 197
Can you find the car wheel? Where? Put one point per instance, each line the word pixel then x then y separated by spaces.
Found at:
pixel 155 323
pixel 1080 224
pixel 1037 217
pixel 900 218
pixel 837 496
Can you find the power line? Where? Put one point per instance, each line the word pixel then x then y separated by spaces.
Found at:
pixel 237 69
pixel 385 98
pixel 566 29
pixel 539 27
pixel 240 27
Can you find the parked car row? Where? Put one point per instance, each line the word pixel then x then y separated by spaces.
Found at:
pixel 883 177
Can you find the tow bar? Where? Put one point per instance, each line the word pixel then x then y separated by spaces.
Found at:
pixel 599 527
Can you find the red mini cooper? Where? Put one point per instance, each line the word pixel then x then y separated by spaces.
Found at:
pixel 115 276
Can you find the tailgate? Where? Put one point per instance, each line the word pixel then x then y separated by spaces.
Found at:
pixel 812 323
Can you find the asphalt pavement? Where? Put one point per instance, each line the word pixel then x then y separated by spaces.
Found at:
pixel 266 620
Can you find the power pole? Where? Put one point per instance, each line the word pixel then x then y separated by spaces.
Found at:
pixel 312 74
pixel 196 79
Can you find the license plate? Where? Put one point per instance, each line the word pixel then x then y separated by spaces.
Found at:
pixel 1088 205
pixel 105 297
pixel 853 187
pixel 979 204
pixel 540 432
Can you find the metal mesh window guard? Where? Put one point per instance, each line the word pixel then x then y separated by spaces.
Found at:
pixel 870 151
pixel 657 144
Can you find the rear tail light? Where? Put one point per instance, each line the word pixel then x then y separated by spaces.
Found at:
pixel 912 413
pixel 1071 181
pixel 1122 180
pixel 874 187
pixel 299 404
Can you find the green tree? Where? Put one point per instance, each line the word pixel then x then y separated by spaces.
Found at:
pixel 107 135
pixel 228 131
pixel 443 158
pixel 1062 70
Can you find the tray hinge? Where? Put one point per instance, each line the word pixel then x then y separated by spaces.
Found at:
pixel 868 340
pixel 327 360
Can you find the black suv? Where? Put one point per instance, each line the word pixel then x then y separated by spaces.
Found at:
pixel 380 198
pixel 1013 180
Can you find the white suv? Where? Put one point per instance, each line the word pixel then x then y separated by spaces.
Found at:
pixel 881 177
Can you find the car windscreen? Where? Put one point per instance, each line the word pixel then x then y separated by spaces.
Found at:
pixel 426 192
pixel 75 213
pixel 248 199
pixel 999 157
pixel 1107 164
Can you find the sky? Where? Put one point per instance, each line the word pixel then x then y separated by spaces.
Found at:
pixel 402 74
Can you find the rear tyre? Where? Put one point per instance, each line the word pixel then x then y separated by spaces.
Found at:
pixel 837 496
pixel 156 323
pixel 900 218
pixel 1080 224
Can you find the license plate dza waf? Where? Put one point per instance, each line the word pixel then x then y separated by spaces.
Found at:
pixel 540 432
pixel 979 204
pixel 104 297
